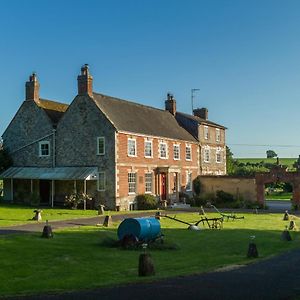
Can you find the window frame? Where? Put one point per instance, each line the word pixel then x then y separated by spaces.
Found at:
pixel 218 135
pixel 174 146
pixel 188 146
pixel 218 154
pixel 166 150
pixel 41 143
pixel 151 183
pixel 206 132
pixel 135 148
pixel 151 148
pixel 207 151
pixel 104 181
pixel 98 141
pixel 131 182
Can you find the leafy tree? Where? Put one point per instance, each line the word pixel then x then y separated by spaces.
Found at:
pixel 5 159
pixel 230 162
pixel 296 164
pixel 271 154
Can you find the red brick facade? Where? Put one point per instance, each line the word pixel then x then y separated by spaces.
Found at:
pixel 166 177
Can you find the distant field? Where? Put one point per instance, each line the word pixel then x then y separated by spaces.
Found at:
pixel 283 161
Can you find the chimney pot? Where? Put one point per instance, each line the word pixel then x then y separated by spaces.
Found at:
pixel 170 104
pixel 32 88
pixel 85 81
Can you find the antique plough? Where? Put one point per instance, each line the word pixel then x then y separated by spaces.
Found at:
pixel 226 216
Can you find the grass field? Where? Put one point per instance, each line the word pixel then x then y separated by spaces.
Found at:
pixel 13 214
pixel 80 259
pixel 283 161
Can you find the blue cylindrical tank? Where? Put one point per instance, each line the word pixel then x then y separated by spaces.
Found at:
pixel 143 229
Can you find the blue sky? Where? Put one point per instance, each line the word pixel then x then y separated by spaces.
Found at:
pixel 242 55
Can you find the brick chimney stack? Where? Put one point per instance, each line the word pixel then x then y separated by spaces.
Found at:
pixel 170 104
pixel 201 113
pixel 32 88
pixel 85 82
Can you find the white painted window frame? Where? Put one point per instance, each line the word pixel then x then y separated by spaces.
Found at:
pixel 132 182
pixel 206 133
pixel 160 144
pixel 151 183
pixel 135 148
pixel 100 138
pixel 206 150
pixel 151 143
pixel 218 153
pixel 218 135
pixel 40 148
pixel 174 146
pixel 188 146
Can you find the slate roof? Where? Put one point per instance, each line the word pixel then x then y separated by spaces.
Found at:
pixel 137 118
pixel 53 109
pixel 200 120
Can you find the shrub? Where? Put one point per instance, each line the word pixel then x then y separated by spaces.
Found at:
pixel 73 200
pixel 197 186
pixel 184 197
pixel 145 202
pixel 34 199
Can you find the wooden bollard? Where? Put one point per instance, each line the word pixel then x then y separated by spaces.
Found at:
pixel 101 209
pixel 47 231
pixel 286 216
pixel 286 236
pixel 107 221
pixel 146 266
pixel 37 216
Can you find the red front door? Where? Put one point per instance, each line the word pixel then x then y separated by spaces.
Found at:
pixel 163 186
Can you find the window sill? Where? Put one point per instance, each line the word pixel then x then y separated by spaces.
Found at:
pixel 148 156
pixel 163 158
pixel 132 193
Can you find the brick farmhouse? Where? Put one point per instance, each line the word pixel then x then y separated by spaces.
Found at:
pixel 109 148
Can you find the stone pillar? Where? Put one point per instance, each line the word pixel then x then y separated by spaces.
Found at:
pixel 260 193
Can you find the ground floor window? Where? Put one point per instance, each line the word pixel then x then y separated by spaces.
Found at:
pixel 148 182
pixel 101 181
pixel 132 183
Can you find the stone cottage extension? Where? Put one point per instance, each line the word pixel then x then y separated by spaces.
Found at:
pixel 110 148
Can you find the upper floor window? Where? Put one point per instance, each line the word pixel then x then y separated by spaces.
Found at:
pixel 44 148
pixel 176 149
pixel 206 132
pixel 218 156
pixel 163 150
pixel 218 135
pixel 131 183
pixel 148 148
pixel 101 145
pixel 206 155
pixel 188 152
pixel 101 181
pixel 188 181
pixel 148 182
pixel 131 147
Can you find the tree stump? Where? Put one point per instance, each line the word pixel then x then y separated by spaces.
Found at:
pixel 286 236
pixel 47 231
pixel 146 266
pixel 252 250
pixel 107 221
pixel 286 216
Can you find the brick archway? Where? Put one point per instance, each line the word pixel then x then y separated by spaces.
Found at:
pixel 278 173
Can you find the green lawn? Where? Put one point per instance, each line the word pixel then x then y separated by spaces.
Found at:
pixel 279 196
pixel 283 161
pixel 13 214
pixel 77 259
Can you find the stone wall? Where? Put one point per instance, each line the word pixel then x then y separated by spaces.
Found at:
pixel 28 126
pixel 76 145
pixel 237 186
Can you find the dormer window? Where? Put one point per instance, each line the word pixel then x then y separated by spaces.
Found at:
pixel 44 148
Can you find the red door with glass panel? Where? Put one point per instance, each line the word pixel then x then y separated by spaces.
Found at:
pixel 163 193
